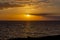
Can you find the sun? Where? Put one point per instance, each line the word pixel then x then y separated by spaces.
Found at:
pixel 28 15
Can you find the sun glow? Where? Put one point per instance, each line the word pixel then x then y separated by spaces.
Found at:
pixel 24 13
pixel 28 15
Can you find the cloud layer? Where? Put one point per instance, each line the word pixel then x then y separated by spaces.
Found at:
pixel 46 5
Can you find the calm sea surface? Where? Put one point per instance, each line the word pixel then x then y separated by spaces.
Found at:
pixel 22 29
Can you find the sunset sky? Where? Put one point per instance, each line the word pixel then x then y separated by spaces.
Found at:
pixel 22 8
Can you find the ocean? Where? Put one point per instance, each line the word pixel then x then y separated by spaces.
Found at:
pixel 24 29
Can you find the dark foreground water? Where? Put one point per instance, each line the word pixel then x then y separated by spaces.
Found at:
pixel 22 29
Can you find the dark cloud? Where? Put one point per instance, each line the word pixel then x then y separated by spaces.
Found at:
pixel 54 17
pixel 8 5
